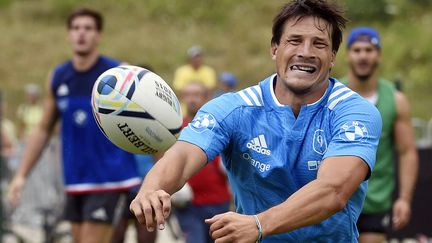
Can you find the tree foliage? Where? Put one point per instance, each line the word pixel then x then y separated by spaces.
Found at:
pixel 235 35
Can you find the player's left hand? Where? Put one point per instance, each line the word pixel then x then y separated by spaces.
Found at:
pixel 233 227
pixel 401 213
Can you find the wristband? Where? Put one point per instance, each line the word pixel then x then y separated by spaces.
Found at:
pixel 258 224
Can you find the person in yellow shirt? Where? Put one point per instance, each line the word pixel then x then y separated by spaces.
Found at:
pixel 194 71
pixel 30 113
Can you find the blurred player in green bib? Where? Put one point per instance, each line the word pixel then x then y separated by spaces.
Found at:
pixel 378 217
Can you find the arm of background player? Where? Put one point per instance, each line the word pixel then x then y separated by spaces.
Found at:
pixel 338 178
pixel 408 161
pixel 34 146
pixel 152 204
pixel 6 143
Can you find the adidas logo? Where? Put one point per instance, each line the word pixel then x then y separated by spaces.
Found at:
pixel 259 144
pixel 63 90
pixel 100 214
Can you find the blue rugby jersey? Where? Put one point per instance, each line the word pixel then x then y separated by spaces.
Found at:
pixel 269 154
pixel 90 161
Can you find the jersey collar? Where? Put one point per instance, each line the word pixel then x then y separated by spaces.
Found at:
pixel 271 101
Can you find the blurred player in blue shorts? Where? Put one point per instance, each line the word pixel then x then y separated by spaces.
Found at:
pixel 96 172
pixel 298 147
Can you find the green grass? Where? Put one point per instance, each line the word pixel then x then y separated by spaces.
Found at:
pixel 235 35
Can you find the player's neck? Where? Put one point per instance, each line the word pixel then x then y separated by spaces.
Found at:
pixel 195 66
pixel 84 63
pixel 285 96
pixel 365 88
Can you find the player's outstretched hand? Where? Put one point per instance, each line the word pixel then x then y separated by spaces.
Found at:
pixel 14 190
pixel 401 213
pixel 233 227
pixel 151 208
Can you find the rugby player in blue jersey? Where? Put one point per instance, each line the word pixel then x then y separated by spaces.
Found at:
pixel 95 171
pixel 298 147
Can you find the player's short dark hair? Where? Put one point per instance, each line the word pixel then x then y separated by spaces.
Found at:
pixel 79 12
pixel 330 11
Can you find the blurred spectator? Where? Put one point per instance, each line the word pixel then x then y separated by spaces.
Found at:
pixel 30 112
pixel 210 190
pixel 195 70
pixel 227 83
pixel 380 214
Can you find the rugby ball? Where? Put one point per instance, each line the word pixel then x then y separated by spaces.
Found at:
pixel 136 109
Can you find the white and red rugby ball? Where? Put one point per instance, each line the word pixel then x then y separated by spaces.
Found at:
pixel 136 109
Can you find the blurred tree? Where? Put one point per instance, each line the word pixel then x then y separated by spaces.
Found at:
pixel 367 10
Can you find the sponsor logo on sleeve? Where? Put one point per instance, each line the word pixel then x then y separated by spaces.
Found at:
pixel 203 122
pixel 353 131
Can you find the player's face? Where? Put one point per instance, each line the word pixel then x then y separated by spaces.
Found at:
pixel 194 96
pixel 83 35
pixel 304 55
pixel 363 58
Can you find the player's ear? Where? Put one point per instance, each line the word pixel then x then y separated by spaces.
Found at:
pixel 273 50
pixel 333 59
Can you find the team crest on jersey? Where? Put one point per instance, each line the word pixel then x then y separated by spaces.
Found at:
pixel 353 131
pixel 203 122
pixel 319 142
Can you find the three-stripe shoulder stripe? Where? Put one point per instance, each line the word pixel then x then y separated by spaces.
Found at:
pixel 245 98
pixel 336 101
pixel 257 89
pixel 337 84
pixel 339 93
pixel 252 96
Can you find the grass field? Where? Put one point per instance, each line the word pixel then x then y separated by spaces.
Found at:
pixel 235 34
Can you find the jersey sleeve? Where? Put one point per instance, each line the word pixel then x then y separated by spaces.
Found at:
pixel 356 129
pixel 212 127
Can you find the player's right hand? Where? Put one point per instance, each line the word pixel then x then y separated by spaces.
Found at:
pixel 151 208
pixel 14 190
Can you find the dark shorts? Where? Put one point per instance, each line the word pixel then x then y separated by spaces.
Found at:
pixel 191 220
pixel 95 207
pixel 374 223
pixel 126 213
